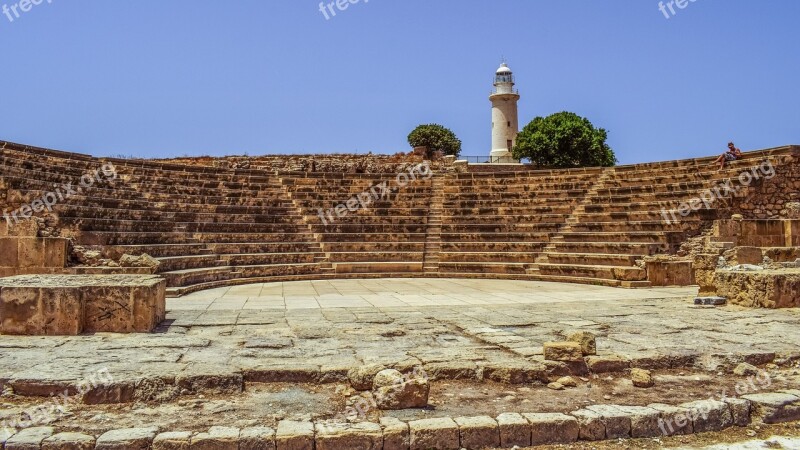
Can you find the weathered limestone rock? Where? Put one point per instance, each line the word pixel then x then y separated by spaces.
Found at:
pixel 396 434
pixel 69 441
pixel 552 428
pixel 567 382
pixel 673 420
pixel 670 273
pixel 587 341
pixel 127 439
pixel 642 378
pixel 617 423
pixel 70 305
pixel 563 351
pixel 591 425
pixel 775 407
pixel 441 434
pixel 217 438
pixel 29 438
pixel 478 432
pixel 355 436
pixel 740 411
pixel 644 420
pixel 257 438
pixel 172 440
pixel 708 415
pixel 143 260
pixel 395 391
pixel 745 369
pixel 361 377
pixel 514 430
pixel 760 289
pixel 294 435
pixel 607 363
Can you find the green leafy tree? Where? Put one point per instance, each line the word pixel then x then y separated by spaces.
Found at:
pixel 435 138
pixel 564 140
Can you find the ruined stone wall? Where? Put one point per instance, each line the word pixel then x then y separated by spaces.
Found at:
pixel 776 198
pixel 315 163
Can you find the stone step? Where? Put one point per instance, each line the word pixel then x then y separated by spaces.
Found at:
pixel 625 248
pixel 499 257
pixel 620 236
pixel 188 277
pixel 501 229
pixel 158 238
pixel 342 257
pixel 620 273
pixel 378 267
pixel 495 236
pixel 483 267
pixel 389 236
pixel 492 246
pixel 594 259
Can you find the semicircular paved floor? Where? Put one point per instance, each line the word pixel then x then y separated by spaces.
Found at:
pixel 405 292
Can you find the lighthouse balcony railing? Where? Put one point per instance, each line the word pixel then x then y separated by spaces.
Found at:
pixel 485 159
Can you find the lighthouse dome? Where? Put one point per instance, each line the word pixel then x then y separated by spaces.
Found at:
pixel 503 69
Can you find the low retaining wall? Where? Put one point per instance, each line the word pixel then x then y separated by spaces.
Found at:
pixel 51 305
pixel 762 289
pixel 594 423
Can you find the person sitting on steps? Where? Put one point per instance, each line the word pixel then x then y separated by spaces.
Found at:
pixel 732 154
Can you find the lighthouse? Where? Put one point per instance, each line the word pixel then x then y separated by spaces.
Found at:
pixel 505 123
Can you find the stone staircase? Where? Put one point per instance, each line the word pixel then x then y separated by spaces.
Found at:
pixel 433 238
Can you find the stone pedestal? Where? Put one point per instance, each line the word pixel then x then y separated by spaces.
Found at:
pixel 53 305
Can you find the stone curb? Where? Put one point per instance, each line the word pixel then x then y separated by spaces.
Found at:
pixel 593 423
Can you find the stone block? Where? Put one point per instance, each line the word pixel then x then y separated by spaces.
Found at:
pixel 173 440
pixel 553 428
pixel 257 438
pixel 69 441
pixel 673 420
pixel 617 423
pixel 562 351
pixel 774 407
pixel 396 434
pixel 8 252
pixel 515 372
pixel 127 439
pixel 760 289
pixel 210 379
pixel 70 304
pixel 515 430
pixel 217 438
pixel 740 411
pixel 441 434
pixel 56 251
pixel 587 341
pixel 644 421
pixel 478 432
pixel 349 436
pixel 607 363
pixel 591 425
pixel 29 438
pixel 294 435
pixel 30 252
pixel 708 415
pixel 670 273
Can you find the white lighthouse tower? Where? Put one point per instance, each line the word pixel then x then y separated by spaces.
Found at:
pixel 505 123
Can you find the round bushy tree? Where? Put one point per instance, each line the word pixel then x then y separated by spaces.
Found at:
pixel 436 138
pixel 564 140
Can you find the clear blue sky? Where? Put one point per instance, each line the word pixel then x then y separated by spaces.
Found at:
pixel 165 78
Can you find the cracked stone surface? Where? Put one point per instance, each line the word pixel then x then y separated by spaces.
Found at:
pixel 300 330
